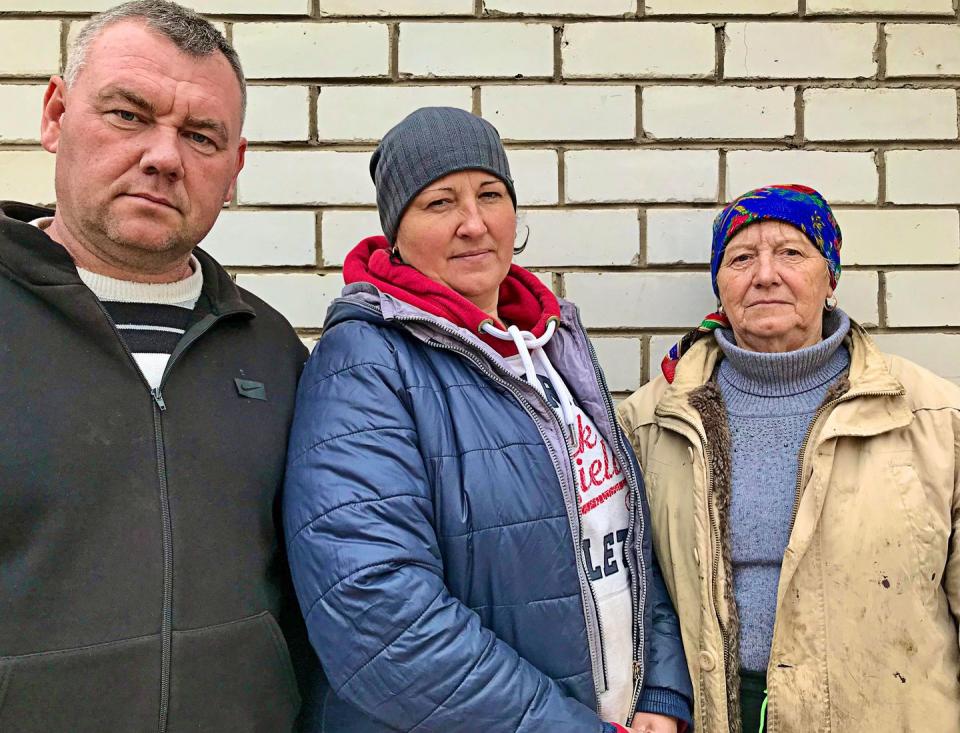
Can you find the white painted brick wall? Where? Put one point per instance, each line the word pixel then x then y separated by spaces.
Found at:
pixel 923 176
pixel 880 114
pixel 263 238
pixel 760 50
pixel 30 47
pixel 476 49
pixel 628 123
pixel 641 175
pixel 891 7
pixel 922 298
pixel 20 117
pixel 842 177
pixel 358 113
pixel 277 113
pixel 563 112
pixel 923 50
pixel 638 50
pixel 311 50
pixel 684 112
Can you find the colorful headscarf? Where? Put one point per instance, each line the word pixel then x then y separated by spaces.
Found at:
pixel 799 206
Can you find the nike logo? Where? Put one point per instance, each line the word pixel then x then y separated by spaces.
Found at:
pixel 251 389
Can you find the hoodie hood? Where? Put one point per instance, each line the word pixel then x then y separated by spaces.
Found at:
pixel 525 302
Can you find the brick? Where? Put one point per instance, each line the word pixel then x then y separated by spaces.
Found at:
pixel 679 236
pixel 938 352
pixel 638 50
pixel 900 236
pixel 857 293
pixel 547 279
pixel 685 112
pixel 340 231
pixel 313 178
pixel 344 113
pixel 923 298
pixel 27 176
pixel 880 114
pixel 263 238
pixel 923 176
pixel 219 7
pixel 567 237
pixel 931 49
pixel 891 7
pixel 799 50
pixel 396 7
pixel 562 112
pixel 20 119
pixel 535 176
pixel 621 361
pixel 30 47
pixel 301 298
pixel 68 6
pixel 641 299
pixel 277 113
pixel 476 49
pixel 850 178
pixel 312 50
pixel 721 7
pixel 560 7
pixel 641 175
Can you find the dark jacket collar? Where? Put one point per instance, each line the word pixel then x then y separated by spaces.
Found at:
pixel 37 261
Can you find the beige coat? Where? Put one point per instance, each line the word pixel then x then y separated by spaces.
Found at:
pixel 866 633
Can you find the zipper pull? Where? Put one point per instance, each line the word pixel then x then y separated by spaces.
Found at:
pixel 158 398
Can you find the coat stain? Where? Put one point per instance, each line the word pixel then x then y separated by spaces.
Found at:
pixel 903 680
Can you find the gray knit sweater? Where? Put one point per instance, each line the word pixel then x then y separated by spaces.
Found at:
pixel 770 401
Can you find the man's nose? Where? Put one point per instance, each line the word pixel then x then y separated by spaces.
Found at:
pixel 161 154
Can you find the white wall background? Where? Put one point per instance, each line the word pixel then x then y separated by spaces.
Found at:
pixel 628 124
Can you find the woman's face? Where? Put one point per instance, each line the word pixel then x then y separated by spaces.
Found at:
pixel 773 282
pixel 460 231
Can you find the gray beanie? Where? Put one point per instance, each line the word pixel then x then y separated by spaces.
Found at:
pixel 429 144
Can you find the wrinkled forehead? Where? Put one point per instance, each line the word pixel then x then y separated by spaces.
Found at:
pixel 768 232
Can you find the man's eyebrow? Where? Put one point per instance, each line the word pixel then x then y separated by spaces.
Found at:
pixel 202 123
pixel 132 97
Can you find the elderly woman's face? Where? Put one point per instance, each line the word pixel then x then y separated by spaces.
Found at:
pixel 460 231
pixel 773 282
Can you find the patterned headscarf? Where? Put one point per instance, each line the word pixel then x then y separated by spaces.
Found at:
pixel 799 206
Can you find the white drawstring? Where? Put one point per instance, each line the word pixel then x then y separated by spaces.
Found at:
pixel 527 342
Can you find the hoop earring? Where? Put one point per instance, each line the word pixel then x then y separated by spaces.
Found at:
pixel 830 304
pixel 526 239
pixel 395 257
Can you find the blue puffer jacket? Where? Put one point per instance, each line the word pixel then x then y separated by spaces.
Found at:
pixel 432 532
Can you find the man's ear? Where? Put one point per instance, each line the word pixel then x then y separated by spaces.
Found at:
pixel 51 118
pixel 241 156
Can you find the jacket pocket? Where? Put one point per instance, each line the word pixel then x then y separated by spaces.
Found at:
pixel 103 687
pixel 235 676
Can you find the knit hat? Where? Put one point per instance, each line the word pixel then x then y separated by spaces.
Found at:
pixel 426 145
pixel 799 206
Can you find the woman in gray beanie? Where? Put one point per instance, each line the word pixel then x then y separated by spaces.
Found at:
pixel 466 524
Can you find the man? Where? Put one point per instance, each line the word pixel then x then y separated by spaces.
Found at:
pixel 144 407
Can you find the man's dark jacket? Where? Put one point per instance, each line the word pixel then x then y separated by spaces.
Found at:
pixel 142 583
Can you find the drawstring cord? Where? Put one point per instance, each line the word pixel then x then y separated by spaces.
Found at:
pixel 526 343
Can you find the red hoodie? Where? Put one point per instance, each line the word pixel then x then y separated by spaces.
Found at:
pixel 524 301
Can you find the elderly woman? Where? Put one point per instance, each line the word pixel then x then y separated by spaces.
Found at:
pixel 465 521
pixel 804 495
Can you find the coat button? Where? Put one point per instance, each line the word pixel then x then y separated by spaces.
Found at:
pixel 690 453
pixel 708 661
pixel 696 555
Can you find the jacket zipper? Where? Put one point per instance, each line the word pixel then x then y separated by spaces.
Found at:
pixel 638 590
pixel 573 517
pixel 158 407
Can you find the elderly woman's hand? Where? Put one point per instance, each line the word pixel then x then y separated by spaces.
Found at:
pixel 653 723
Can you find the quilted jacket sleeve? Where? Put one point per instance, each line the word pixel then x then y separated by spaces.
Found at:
pixel 367 567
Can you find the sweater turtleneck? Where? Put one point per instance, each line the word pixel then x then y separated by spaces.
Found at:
pixel 770 401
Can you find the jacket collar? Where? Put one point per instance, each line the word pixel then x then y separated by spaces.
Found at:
pixel 874 404
pixel 40 263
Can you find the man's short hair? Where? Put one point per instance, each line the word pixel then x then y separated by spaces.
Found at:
pixel 191 33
